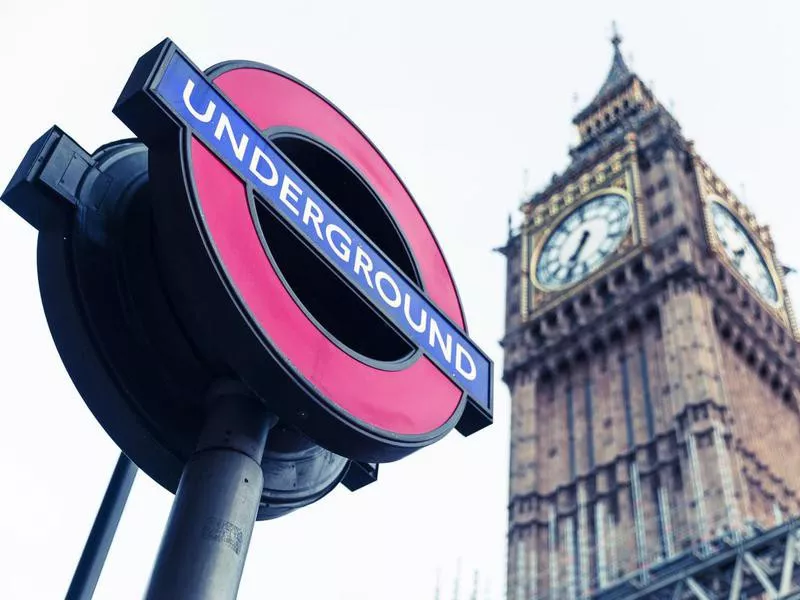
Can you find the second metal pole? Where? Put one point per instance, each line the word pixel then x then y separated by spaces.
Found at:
pixel 90 565
pixel 205 543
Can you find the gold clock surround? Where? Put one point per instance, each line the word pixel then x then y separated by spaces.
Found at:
pixel 765 253
pixel 712 187
pixel 548 231
pixel 618 174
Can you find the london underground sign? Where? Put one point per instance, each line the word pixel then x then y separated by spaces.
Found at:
pixel 251 232
pixel 220 125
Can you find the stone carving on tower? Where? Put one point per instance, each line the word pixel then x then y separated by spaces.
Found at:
pixel 651 356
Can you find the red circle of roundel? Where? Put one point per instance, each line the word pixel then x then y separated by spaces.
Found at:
pixel 415 400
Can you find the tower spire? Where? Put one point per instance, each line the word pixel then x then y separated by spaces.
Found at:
pixel 619 69
pixel 621 94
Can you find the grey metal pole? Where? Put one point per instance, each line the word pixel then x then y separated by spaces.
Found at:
pixel 90 565
pixel 208 533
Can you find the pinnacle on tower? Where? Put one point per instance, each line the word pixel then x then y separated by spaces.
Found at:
pixel 618 78
pixel 621 96
pixel 457 582
pixel 619 71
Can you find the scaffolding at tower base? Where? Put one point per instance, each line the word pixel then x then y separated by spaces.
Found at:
pixel 761 565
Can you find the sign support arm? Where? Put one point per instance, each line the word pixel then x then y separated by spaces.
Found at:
pixel 90 565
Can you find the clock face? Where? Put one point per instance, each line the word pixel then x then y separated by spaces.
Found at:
pixel 583 241
pixel 743 253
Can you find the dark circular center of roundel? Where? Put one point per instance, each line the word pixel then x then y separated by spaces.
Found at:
pixel 326 298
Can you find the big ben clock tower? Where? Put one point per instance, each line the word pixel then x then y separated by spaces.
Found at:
pixel 651 356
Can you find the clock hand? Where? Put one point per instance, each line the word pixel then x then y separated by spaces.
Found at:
pixel 572 262
pixel 581 244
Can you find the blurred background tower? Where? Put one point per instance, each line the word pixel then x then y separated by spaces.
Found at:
pixel 651 356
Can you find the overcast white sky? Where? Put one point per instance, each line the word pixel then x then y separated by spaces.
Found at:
pixel 461 97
